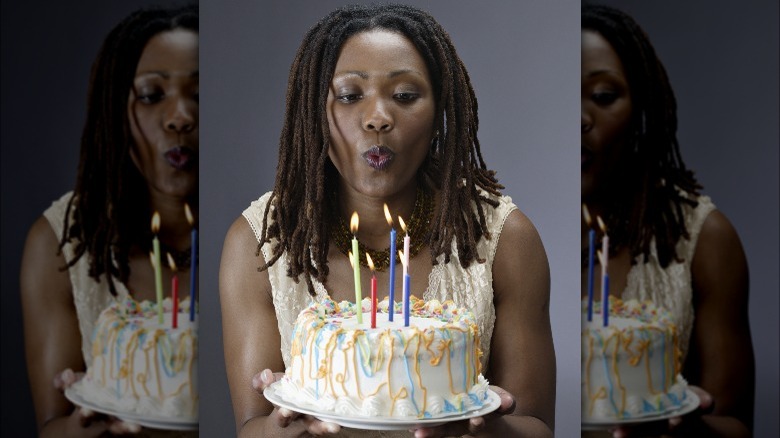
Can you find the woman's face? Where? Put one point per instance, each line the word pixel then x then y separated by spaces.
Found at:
pixel 381 109
pixel 163 113
pixel 606 112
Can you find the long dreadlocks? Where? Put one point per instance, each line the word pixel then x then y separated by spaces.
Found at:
pixel 655 182
pixel 299 209
pixel 110 201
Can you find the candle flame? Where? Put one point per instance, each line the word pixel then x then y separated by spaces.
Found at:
pixel 586 214
pixel 601 224
pixel 155 222
pixel 401 256
pixel 353 223
pixel 370 262
pixel 388 217
pixel 403 224
pixel 188 213
pixel 171 263
pixel 351 259
pixel 151 259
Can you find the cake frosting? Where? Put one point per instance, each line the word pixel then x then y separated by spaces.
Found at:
pixel 630 368
pixel 430 368
pixel 142 366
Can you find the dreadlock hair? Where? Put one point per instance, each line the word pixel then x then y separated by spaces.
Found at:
pixel 300 209
pixel 110 202
pixel 655 183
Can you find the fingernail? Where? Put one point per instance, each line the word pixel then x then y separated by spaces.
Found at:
pixel 266 377
pixel 257 381
pixel 86 412
pixel 284 412
pixel 132 428
pixel 331 427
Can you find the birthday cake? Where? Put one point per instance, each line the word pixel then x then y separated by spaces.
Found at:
pixel 142 366
pixel 430 368
pixel 630 367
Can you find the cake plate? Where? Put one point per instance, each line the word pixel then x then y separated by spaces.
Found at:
pixel 77 396
pixel 381 423
pixel 689 405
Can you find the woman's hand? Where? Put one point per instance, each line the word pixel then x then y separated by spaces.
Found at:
pixel 471 426
pixel 84 422
pixel 683 426
pixel 283 417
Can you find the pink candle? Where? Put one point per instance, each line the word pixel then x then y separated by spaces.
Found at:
pixel 373 291
pixel 406 289
pixel 604 258
pixel 193 258
pixel 406 245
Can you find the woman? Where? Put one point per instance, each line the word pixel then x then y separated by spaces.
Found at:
pixel 668 242
pixel 138 155
pixel 380 110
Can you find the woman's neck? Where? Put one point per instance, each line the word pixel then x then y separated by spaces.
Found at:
pixel 373 228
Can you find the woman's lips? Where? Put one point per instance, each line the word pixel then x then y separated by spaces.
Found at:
pixel 586 157
pixel 180 157
pixel 378 157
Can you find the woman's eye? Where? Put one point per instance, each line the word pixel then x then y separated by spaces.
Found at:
pixel 348 97
pixel 150 97
pixel 604 97
pixel 406 97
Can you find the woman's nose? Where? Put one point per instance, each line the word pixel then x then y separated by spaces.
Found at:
pixel 586 122
pixel 377 118
pixel 181 116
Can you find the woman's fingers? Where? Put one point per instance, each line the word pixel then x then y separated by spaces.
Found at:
pixel 320 428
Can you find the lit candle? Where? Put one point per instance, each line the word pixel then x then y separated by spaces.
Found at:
pixel 391 292
pixel 193 258
pixel 406 245
pixel 407 279
pixel 174 291
pixel 591 245
pixel 353 226
pixel 373 291
pixel 157 265
pixel 604 258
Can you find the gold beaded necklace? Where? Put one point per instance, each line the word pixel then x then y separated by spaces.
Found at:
pixel 418 227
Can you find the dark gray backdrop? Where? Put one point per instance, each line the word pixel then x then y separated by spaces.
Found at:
pixel 523 58
pixel 722 60
pixel 47 51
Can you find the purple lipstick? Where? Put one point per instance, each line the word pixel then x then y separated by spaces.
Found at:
pixel 180 157
pixel 378 157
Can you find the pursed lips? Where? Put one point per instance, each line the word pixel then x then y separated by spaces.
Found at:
pixel 378 156
pixel 180 157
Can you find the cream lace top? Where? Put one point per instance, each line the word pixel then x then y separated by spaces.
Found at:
pixel 89 296
pixel 471 287
pixel 672 287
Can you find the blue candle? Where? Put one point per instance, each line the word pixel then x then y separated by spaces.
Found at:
pixel 193 268
pixel 591 244
pixel 605 300
pixel 391 292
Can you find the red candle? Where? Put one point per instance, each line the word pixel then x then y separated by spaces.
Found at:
pixel 174 291
pixel 373 291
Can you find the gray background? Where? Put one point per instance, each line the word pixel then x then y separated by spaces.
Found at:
pixel 523 59
pixel 722 60
pixel 47 51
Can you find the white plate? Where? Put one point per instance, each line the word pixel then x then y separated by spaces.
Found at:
pixel 382 423
pixel 690 404
pixel 78 397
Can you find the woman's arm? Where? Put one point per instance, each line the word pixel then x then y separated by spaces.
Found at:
pixel 52 338
pixel 720 359
pixel 522 358
pixel 251 338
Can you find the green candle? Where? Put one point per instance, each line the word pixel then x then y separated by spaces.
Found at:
pixel 356 267
pixel 157 265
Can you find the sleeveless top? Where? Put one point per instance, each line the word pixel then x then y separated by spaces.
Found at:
pixel 90 297
pixel 471 287
pixel 672 287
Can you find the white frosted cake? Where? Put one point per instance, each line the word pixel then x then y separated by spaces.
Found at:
pixel 430 368
pixel 630 368
pixel 142 367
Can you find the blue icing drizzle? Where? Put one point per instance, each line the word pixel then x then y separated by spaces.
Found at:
pixel 449 407
pixel 675 400
pixel 647 407
pixel 475 399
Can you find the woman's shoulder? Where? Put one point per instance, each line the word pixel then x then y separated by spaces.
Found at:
pixel 255 213
pixel 55 214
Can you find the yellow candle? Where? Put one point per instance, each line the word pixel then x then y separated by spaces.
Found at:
pixel 353 225
pixel 157 265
